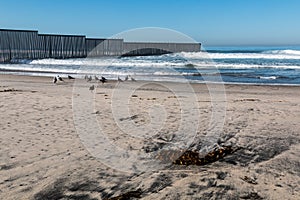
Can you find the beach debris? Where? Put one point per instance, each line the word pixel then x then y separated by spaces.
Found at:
pixel 96 113
pixel 10 90
pixel 192 157
pixel 166 137
pixel 70 77
pixel 152 99
pixel 251 195
pixel 126 78
pixel 250 180
pixel 92 88
pixel 246 100
pixel 221 175
pixel 129 118
pixel 103 79
pixel 128 195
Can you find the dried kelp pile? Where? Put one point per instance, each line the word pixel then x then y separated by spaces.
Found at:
pixel 190 157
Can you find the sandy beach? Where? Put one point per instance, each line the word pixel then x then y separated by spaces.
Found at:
pixel 43 153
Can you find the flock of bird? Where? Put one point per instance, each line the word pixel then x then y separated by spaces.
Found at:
pixel 58 78
pixel 90 78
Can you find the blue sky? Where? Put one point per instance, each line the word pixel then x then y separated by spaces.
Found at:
pixel 212 22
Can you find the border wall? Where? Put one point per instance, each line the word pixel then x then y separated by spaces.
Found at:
pixel 15 44
pixel 104 47
pixel 62 46
pixel 26 44
pixel 157 48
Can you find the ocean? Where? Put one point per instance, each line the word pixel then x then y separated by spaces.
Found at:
pixel 240 65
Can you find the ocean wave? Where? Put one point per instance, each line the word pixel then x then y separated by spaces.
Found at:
pixel 177 73
pixel 233 51
pixel 272 54
pixel 29 68
pixel 79 64
pixel 183 59
pixel 106 62
pixel 240 66
pixel 73 62
pixel 283 52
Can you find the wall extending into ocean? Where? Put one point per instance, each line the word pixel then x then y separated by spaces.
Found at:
pixel 157 48
pixel 23 44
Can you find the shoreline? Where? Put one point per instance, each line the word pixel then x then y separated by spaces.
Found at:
pixel 154 81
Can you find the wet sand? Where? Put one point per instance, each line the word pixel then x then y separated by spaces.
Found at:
pixel 43 156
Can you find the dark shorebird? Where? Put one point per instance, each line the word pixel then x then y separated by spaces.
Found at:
pixel 70 77
pixel 103 79
pixel 126 78
pixel 96 78
pixel 132 79
pixel 119 79
pixel 86 77
pixel 57 78
pixel 60 78
pixel 54 79
pixel 92 88
pixel 89 79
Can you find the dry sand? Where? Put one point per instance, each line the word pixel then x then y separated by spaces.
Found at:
pixel 43 157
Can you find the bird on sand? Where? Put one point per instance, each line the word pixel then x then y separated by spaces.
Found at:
pixel 92 88
pixel 126 78
pixel 89 79
pixel 132 79
pixel 60 78
pixel 119 79
pixel 57 78
pixel 103 79
pixel 70 77
pixel 96 78
pixel 54 79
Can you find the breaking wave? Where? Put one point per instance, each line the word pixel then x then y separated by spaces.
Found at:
pixel 271 54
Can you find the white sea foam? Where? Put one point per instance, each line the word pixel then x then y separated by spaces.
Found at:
pixel 274 54
pixel 284 52
pixel 268 77
pixel 241 66
pixel 105 62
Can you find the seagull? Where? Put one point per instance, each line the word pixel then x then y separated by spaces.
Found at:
pixel 86 77
pixel 60 78
pixel 54 79
pixel 119 79
pixel 70 77
pixel 96 78
pixel 92 88
pixel 132 79
pixel 103 79
pixel 126 78
pixel 89 79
